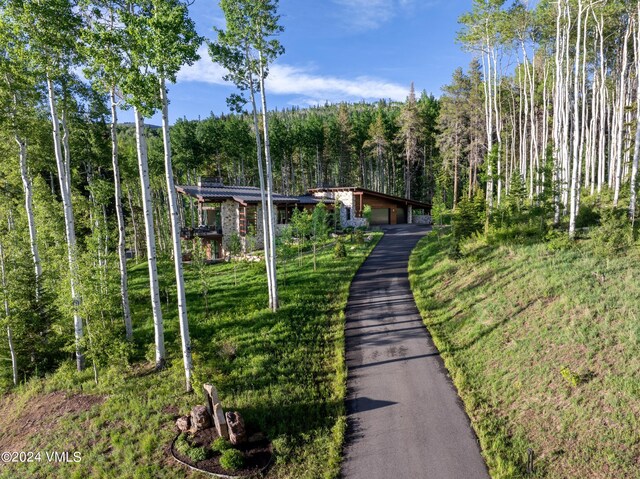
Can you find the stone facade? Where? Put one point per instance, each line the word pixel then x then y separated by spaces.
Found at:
pixel 346 200
pixel 422 220
pixel 230 217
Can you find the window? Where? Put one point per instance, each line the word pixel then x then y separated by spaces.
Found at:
pixel 283 216
pixel 348 213
pixel 251 220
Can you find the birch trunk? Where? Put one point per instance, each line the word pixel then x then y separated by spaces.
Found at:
pixel 12 351
pixel 147 208
pixel 636 152
pixel 69 221
pixel 175 237
pixel 28 204
pixel 271 216
pixel 575 182
pixel 621 113
pixel 263 197
pixel 122 257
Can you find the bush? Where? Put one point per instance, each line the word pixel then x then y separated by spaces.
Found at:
pixel 614 235
pixel 232 460
pixel 358 237
pixel 339 251
pixel 197 454
pixel 220 444
pixel 184 448
pixel 558 240
pixel 181 445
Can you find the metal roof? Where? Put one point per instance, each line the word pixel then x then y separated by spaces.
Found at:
pixel 241 194
pixel 406 201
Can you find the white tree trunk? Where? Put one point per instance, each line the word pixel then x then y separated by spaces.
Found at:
pixel 263 196
pixel 636 152
pixel 28 203
pixel 147 209
pixel 175 237
pixel 271 216
pixel 12 351
pixel 69 221
pixel 575 181
pixel 621 113
pixel 122 258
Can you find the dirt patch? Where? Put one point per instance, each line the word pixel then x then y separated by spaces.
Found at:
pixel 20 422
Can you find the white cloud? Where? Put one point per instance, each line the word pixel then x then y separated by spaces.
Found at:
pixel 311 87
pixel 363 15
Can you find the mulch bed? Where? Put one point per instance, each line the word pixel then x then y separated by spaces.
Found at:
pixel 258 455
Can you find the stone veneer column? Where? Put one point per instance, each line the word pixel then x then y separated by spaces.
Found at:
pixel 230 216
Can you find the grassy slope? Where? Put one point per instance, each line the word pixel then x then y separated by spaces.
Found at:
pixel 283 371
pixel 508 320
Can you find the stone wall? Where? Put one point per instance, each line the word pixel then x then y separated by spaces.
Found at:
pixel 230 217
pixel 346 200
pixel 422 220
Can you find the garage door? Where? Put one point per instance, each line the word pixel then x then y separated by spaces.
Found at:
pixel 380 216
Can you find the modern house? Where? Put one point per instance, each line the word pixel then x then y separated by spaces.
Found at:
pixel 225 211
pixel 385 209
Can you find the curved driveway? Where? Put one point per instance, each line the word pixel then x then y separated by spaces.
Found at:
pixel 405 420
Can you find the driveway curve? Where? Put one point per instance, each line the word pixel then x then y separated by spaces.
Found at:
pixel 405 419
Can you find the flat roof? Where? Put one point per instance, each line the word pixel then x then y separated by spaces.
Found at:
pixel 398 199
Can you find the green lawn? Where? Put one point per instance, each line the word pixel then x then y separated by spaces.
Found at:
pixel 543 346
pixel 285 372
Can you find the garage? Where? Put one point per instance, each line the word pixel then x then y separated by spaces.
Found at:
pixel 401 216
pixel 380 216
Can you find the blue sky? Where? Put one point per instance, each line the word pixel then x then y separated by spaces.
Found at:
pixel 336 50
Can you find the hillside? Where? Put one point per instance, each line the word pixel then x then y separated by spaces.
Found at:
pixel 542 343
pixel 283 371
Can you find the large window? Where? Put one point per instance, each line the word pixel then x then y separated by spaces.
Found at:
pixel 212 217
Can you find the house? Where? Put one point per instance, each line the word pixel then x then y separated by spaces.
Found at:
pixel 225 211
pixel 385 209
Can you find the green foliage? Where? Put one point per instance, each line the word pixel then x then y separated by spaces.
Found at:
pixel 232 460
pixel 468 217
pixel 197 454
pixel 234 246
pixel 572 378
pixel 367 211
pixel 358 237
pixel 220 444
pixel 339 250
pixel 614 235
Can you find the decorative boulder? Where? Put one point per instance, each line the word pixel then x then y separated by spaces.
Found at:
pixel 200 418
pixel 183 423
pixel 237 431
pixel 220 421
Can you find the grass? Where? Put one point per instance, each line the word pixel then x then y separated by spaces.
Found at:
pixel 284 372
pixel 543 346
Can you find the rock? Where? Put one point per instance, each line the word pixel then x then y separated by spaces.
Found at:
pixel 210 396
pixel 200 418
pixel 183 423
pixel 237 431
pixel 220 421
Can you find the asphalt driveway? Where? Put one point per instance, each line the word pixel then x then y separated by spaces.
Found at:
pixel 405 420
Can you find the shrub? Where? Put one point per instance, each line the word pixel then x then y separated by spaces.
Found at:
pixel 181 445
pixel 339 251
pixel 220 444
pixel 614 234
pixel 358 237
pixel 197 454
pixel 232 460
pixel 558 240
